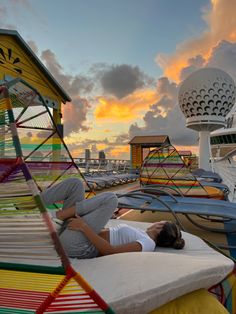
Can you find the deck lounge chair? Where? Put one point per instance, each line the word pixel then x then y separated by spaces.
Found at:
pixel 143 199
pixel 98 183
pixel 208 175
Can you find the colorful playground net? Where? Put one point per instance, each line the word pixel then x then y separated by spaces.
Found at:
pixel 165 167
pixel 41 142
pixel 36 275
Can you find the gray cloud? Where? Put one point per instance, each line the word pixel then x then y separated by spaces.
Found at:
pixel 193 64
pixel 75 113
pixel 92 145
pixel 223 56
pixel 82 84
pixel 12 9
pixel 173 124
pixel 74 85
pixel 116 80
pixel 122 139
pixel 33 46
pixel 122 80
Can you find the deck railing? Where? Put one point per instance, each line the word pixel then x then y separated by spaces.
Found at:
pixel 95 164
pixel 226 168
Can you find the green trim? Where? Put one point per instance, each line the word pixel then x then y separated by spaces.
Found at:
pixel 18 212
pixel 109 311
pixel 44 146
pixel 10 115
pixel 15 311
pixel 15 138
pixel 17 145
pixel 59 270
pixel 40 203
pixel 54 206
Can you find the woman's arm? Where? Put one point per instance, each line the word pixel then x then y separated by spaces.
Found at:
pixel 103 246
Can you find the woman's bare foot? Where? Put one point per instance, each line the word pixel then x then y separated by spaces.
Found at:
pixel 65 213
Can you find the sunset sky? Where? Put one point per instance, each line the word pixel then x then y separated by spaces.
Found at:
pixel 122 62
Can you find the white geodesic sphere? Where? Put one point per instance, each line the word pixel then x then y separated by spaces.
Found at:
pixel 206 97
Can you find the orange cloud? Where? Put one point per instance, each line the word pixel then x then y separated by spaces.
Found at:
pixel 221 22
pixel 120 152
pixel 101 146
pixel 127 108
pixel 77 152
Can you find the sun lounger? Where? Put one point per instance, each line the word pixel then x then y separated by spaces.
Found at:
pixel 106 180
pixel 165 202
pixel 207 175
pixel 216 187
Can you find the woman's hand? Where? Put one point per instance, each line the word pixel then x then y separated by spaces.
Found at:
pixel 77 224
pixel 103 246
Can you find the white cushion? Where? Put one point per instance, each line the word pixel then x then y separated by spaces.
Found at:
pixel 139 282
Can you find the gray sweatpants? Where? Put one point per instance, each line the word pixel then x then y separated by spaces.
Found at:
pixel 96 211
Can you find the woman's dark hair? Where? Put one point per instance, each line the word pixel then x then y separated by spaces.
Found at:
pixel 170 236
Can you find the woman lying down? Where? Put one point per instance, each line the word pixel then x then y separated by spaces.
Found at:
pixel 83 233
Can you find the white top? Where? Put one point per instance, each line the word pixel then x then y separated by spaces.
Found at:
pixel 123 234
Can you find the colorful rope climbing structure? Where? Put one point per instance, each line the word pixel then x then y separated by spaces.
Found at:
pixel 36 274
